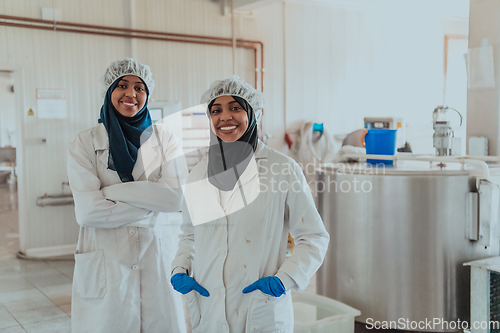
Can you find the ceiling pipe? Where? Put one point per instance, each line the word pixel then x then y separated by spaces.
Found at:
pixel 32 23
pixel 233 37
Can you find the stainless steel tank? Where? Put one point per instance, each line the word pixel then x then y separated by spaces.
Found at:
pixel 399 238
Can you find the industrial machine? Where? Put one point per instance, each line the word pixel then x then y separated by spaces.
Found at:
pixel 400 236
pixel 485 294
pixel 444 139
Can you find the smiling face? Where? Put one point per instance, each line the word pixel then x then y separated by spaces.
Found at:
pixel 129 96
pixel 229 120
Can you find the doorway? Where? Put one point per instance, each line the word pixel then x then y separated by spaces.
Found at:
pixel 10 169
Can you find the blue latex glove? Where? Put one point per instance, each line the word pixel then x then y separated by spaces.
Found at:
pixel 270 285
pixel 184 284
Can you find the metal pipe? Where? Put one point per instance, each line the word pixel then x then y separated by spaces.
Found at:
pixel 451 159
pixel 102 27
pixel 55 200
pixel 233 38
pixel 256 68
pixel 484 158
pixel 134 33
pixel 111 34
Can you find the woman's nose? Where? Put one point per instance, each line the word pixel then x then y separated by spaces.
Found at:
pixel 130 92
pixel 225 115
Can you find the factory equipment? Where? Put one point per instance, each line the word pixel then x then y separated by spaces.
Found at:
pixel 485 294
pixel 394 123
pixel 444 139
pixel 400 236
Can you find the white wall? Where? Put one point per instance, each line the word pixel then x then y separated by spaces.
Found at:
pixel 340 64
pixel 7 111
pixel 351 63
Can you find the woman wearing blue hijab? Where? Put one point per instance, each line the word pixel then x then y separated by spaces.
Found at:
pixel 125 175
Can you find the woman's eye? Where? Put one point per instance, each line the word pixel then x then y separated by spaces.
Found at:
pixel 122 86
pixel 139 89
pixel 215 111
pixel 236 108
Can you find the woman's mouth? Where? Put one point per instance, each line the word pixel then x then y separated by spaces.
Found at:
pixel 129 105
pixel 228 129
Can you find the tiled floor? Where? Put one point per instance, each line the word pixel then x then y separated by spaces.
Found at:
pixel 35 296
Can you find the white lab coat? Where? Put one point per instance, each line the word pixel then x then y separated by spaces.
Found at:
pixel 246 241
pixel 120 284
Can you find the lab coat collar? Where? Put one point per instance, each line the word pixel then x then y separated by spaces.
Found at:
pixel 101 140
pixel 261 151
pixel 148 153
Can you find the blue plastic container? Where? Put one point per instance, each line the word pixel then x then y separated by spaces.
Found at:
pixel 380 142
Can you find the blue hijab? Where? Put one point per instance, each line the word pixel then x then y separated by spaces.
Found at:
pixel 124 134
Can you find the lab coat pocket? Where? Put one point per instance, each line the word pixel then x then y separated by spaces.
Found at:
pixel 270 314
pixel 194 309
pixel 90 274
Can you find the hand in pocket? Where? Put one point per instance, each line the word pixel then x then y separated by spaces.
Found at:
pixel 184 284
pixel 270 285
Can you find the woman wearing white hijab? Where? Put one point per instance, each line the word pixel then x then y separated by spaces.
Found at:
pixel 240 204
pixel 125 174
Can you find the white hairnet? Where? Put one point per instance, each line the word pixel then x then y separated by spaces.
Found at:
pixel 127 66
pixel 235 86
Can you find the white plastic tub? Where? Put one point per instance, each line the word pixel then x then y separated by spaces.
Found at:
pixel 319 314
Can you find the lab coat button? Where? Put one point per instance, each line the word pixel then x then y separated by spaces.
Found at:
pixel 132 232
pixel 135 267
pixel 224 327
pixel 223 253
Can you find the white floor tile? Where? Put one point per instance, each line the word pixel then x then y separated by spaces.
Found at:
pixel 21 295
pixel 66 308
pixel 26 266
pixel 65 267
pixel 27 304
pixel 14 283
pixel 44 272
pixel 8 272
pixel 5 266
pixel 35 315
pixel 58 294
pixel 6 255
pixel 59 325
pixel 15 329
pixel 48 279
pixel 6 319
